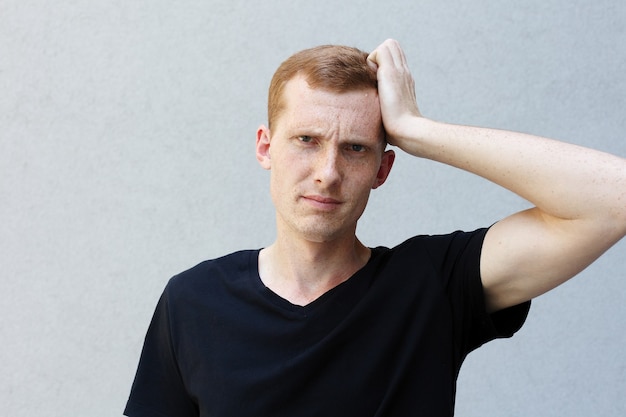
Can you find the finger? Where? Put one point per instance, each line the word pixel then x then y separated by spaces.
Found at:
pixel 381 56
pixel 397 53
pixel 389 52
pixel 372 60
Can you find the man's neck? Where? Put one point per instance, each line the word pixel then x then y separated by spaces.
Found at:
pixel 301 271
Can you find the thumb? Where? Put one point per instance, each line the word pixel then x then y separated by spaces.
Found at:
pixel 372 60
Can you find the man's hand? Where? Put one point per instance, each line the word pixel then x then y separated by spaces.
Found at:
pixel 396 91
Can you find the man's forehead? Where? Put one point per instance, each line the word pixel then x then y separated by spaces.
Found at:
pixel 299 95
pixel 307 107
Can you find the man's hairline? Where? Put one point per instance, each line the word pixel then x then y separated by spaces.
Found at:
pixel 300 75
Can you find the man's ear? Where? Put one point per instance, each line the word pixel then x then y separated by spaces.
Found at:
pixel 263 146
pixel 385 167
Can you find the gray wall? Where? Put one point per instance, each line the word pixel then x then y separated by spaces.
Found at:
pixel 127 155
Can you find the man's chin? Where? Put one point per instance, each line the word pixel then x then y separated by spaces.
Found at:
pixel 320 234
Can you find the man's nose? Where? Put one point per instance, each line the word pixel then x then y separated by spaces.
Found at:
pixel 328 170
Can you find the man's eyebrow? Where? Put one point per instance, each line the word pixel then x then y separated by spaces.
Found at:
pixel 305 131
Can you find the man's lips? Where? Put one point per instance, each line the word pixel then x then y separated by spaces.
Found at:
pixel 321 201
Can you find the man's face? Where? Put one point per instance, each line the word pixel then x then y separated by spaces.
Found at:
pixel 325 153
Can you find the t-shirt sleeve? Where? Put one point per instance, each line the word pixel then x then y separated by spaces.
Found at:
pixel 474 325
pixel 158 389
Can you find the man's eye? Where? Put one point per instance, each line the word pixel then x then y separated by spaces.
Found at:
pixel 357 148
pixel 305 139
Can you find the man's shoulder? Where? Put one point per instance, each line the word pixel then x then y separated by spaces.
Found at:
pixel 437 242
pixel 209 272
pixel 236 259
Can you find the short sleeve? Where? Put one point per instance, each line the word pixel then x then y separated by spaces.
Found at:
pixel 501 324
pixel 474 325
pixel 158 389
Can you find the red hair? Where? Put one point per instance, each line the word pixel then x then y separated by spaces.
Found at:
pixel 331 67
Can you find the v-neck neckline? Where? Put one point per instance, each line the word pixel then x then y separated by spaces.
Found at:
pixel 343 293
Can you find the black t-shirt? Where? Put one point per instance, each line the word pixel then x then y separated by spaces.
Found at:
pixel 387 342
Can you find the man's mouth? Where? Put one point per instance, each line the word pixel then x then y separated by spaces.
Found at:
pixel 322 202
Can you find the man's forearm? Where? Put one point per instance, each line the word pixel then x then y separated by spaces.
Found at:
pixel 563 180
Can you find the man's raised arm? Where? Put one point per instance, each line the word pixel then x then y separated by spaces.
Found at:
pixel 579 194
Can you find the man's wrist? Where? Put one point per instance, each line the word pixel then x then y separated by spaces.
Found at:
pixel 412 135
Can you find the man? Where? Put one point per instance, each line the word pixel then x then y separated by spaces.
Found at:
pixel 317 324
